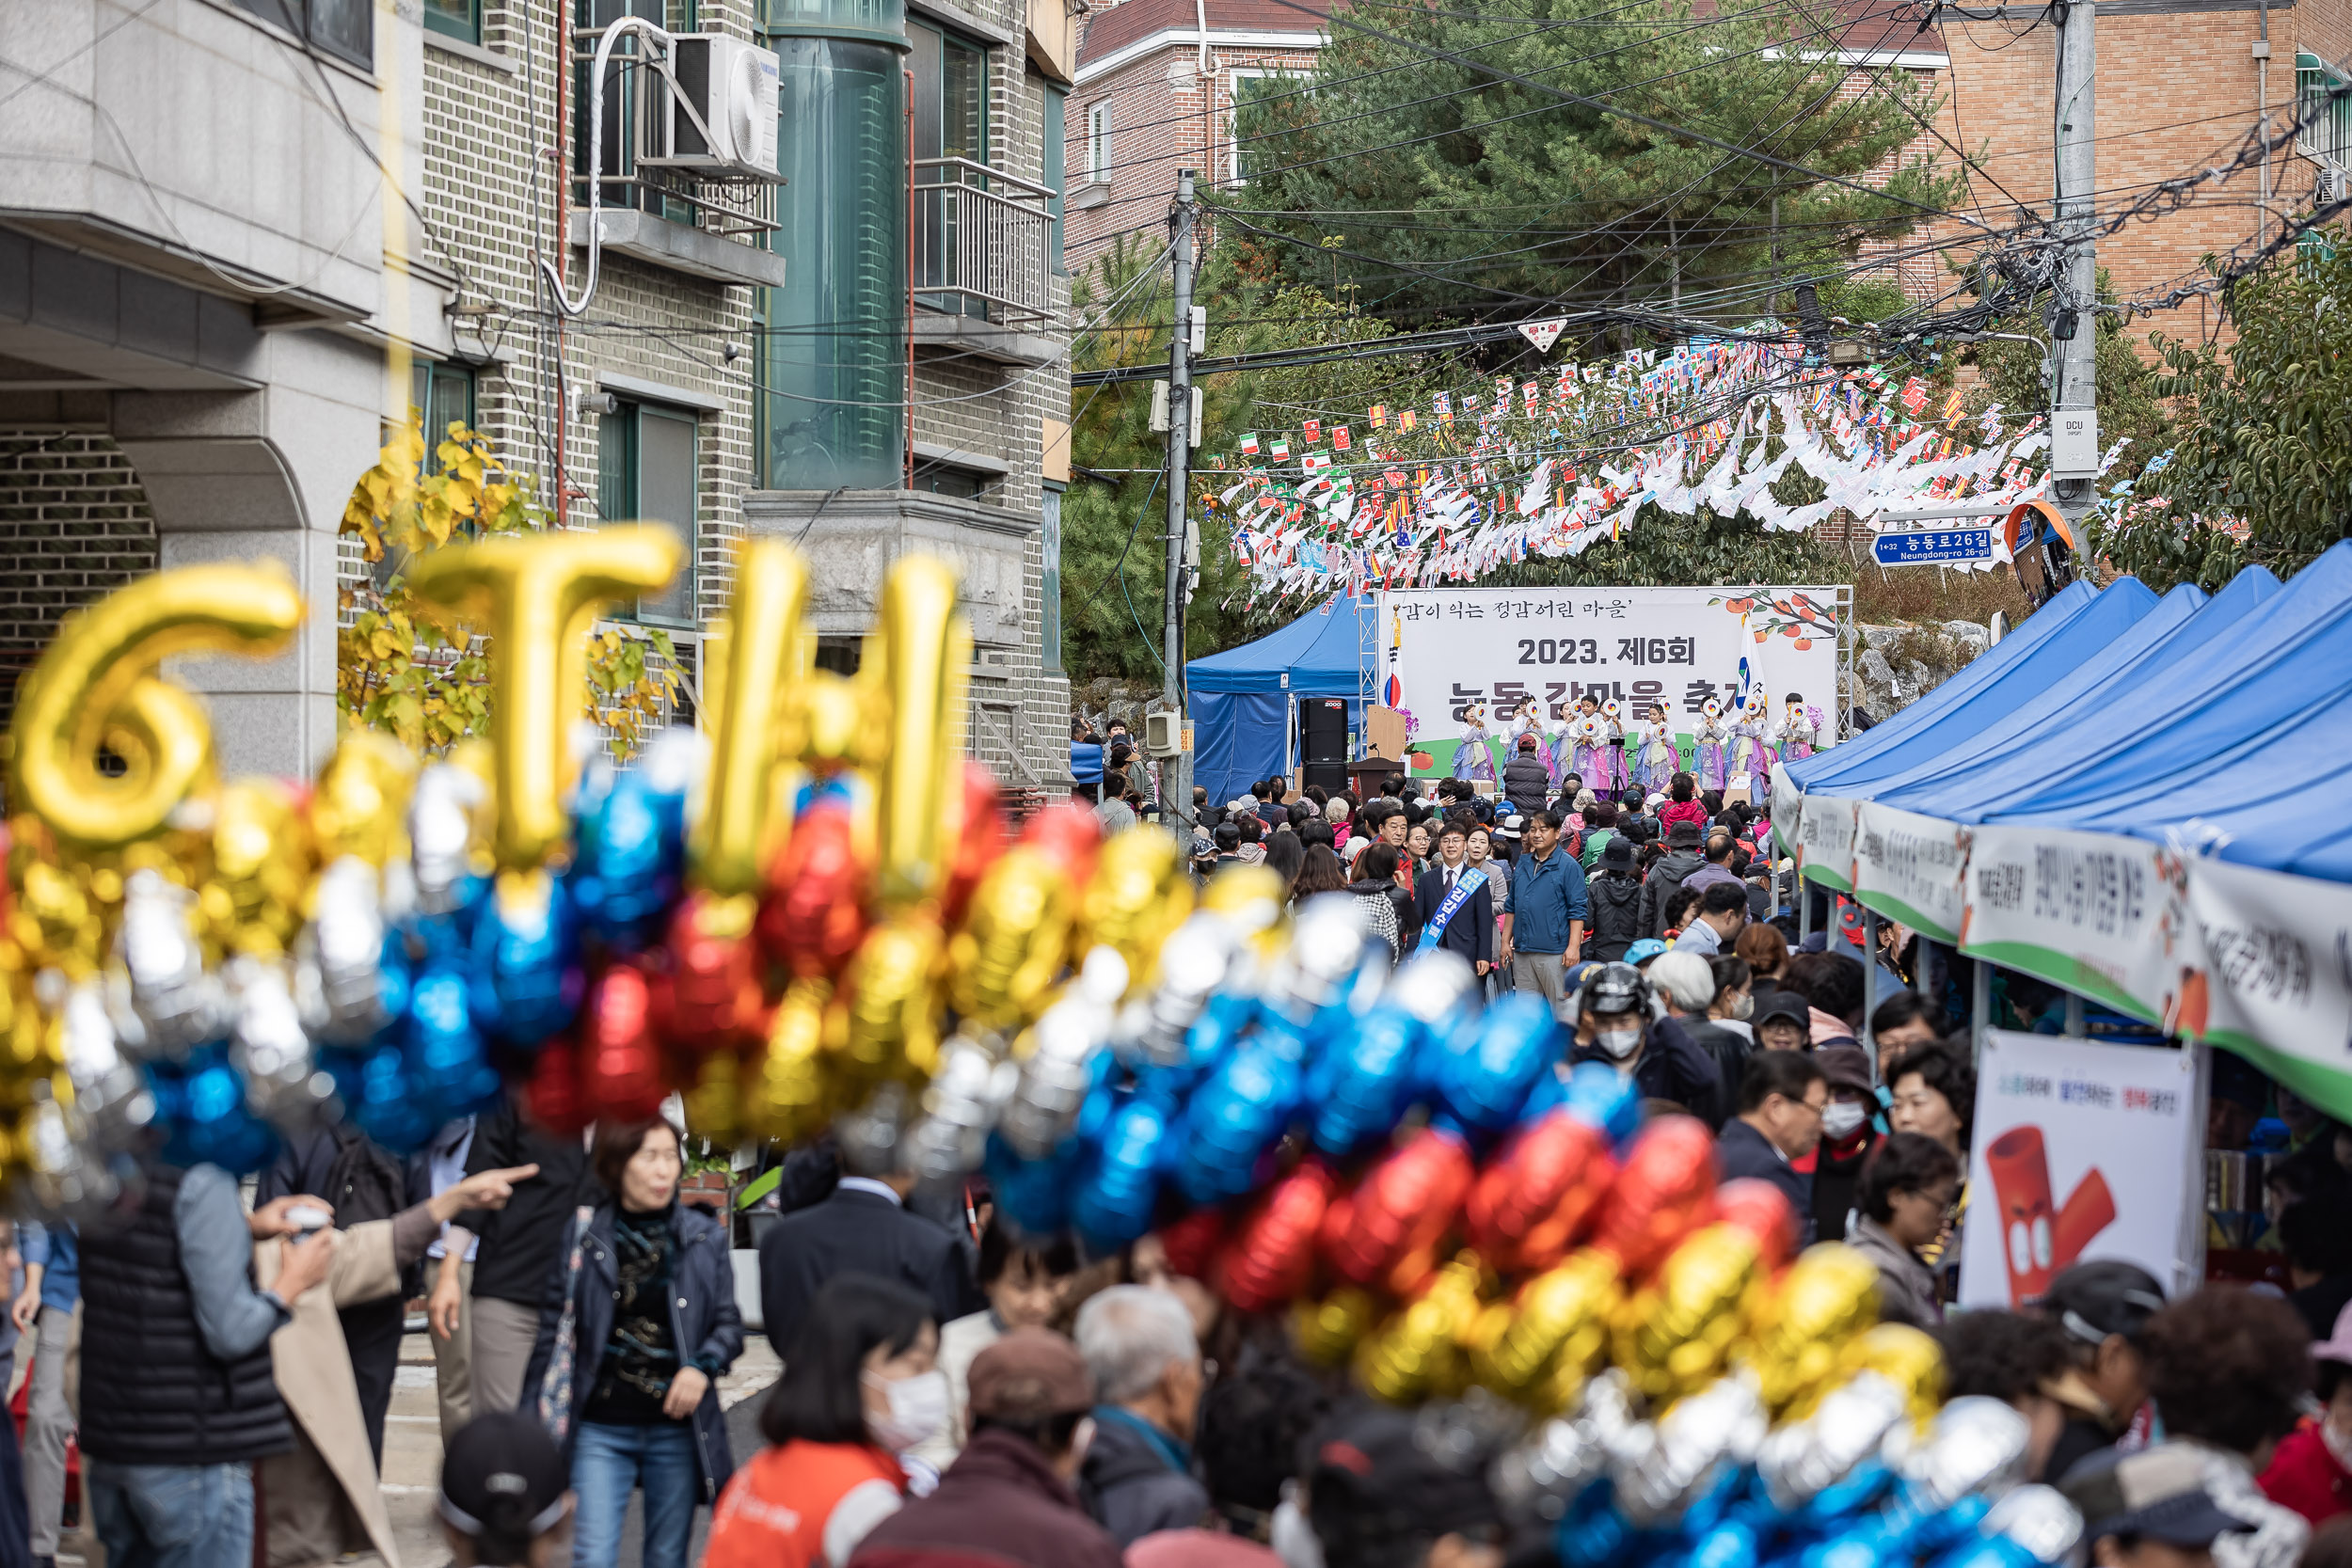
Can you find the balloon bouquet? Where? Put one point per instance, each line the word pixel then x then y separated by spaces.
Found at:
pixel 815 917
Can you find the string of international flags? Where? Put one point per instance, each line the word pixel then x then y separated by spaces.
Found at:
pixel 1545 466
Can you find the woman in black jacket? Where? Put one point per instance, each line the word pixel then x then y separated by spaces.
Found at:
pixel 654 1328
pixel 1615 896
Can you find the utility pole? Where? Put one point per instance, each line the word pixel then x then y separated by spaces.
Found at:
pixel 2074 324
pixel 1176 771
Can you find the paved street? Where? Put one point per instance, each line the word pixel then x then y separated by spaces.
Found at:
pixel 412 1448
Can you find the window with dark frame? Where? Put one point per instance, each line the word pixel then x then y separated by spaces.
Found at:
pixel 456 19
pixel 646 472
pixel 344 28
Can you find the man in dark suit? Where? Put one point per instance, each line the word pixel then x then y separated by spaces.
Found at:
pixel 864 1227
pixel 1470 929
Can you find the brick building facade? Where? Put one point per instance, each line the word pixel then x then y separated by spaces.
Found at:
pixel 207 384
pixel 2179 80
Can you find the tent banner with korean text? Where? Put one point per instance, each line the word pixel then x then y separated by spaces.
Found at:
pixel 1825 833
pixel 2104 917
pixel 2081 1153
pixel 1908 867
pixel 1442 650
pixel 2278 952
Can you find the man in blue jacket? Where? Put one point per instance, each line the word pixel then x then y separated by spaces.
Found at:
pixel 52 1287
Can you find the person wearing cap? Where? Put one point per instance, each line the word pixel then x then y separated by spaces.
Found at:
pixel 2151 1509
pixel 1526 781
pixel 1614 895
pixel 1543 913
pixel 1616 1024
pixel 2103 1306
pixel 1140 1344
pixel 1782 1096
pixel 1009 1498
pixel 1782 1023
pixel 1907 1187
pixel 1847 1136
pixel 2312 1472
pixel 1381 1497
pixel 1665 879
pixel 861 1386
pixel 506 1495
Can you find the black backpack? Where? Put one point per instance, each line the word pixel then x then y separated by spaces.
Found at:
pixel 365 1181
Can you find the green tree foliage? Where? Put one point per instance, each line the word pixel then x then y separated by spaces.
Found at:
pixel 1114 518
pixel 2263 470
pixel 1442 186
pixel 423 677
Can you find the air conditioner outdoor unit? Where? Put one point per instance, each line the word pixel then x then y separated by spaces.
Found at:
pixel 2333 185
pixel 733 89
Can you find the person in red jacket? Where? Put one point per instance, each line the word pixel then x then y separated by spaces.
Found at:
pixel 1684 805
pixel 1008 1498
pixel 2312 1471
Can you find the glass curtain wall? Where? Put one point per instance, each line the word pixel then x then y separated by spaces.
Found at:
pixel 833 357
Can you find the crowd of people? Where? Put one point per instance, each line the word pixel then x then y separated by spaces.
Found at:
pixel 954 1393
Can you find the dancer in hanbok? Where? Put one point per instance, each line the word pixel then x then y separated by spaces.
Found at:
pixel 1709 759
pixel 1559 744
pixel 1656 761
pixel 1596 746
pixel 1474 759
pixel 1752 755
pixel 1800 728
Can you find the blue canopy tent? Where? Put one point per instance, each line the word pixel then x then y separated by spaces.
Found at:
pixel 1242 698
pixel 2215 728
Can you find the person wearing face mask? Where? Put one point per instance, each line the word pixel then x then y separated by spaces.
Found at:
pixel 1782 1097
pixel 861 1386
pixel 1008 1499
pixel 2312 1472
pixel 1906 1187
pixel 652 1291
pixel 1024 1286
pixel 1848 1136
pixel 1140 1344
pixel 1616 1024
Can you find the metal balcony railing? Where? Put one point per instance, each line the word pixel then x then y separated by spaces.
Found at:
pixel 639 119
pixel 981 239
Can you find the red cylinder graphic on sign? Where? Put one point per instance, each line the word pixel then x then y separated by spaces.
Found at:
pixel 2089 1209
pixel 2037 1242
pixel 2021 1192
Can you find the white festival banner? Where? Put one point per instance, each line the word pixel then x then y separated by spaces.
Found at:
pixel 1910 867
pixel 2277 957
pixel 2103 916
pixel 1443 649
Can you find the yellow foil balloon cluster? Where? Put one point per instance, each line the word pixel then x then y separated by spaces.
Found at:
pixel 1714 1307
pixel 807 914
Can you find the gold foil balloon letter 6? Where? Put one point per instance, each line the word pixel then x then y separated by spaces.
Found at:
pixel 96 684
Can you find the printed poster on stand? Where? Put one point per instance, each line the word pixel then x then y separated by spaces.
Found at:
pixel 2082 1151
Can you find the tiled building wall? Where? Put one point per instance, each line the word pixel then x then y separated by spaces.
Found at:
pixel 490 191
pixel 74 524
pixel 2177 92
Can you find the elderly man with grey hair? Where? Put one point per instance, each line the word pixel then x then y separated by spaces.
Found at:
pixel 1137 1476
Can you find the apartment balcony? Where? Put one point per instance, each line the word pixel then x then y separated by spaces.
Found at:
pixel 982 260
pixel 655 208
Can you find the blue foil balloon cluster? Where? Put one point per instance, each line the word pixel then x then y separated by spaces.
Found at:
pixel 406 989
pixel 1853 1484
pixel 1184 1099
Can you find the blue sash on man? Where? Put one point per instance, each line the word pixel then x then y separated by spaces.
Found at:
pixel 1466 887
